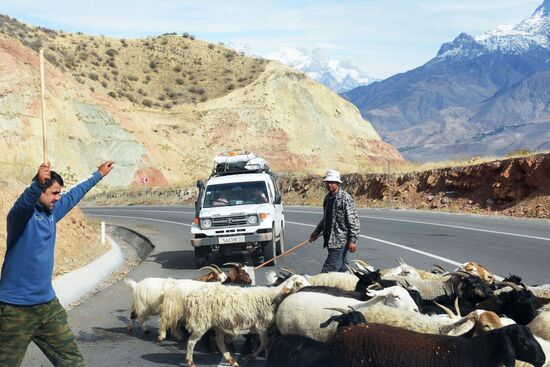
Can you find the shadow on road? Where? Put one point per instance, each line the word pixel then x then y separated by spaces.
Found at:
pixel 185 260
pixel 175 259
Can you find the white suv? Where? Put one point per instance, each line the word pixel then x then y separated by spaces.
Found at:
pixel 238 212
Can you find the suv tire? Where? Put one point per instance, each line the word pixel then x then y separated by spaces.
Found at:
pixel 280 247
pixel 201 257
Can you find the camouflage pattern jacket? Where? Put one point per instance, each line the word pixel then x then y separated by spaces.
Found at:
pixel 345 222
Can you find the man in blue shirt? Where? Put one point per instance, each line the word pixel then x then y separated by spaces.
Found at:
pixel 29 309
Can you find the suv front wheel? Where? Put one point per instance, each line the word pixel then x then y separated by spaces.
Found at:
pixel 201 257
pixel 272 248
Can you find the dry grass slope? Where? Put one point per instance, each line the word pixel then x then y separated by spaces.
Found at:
pixel 160 72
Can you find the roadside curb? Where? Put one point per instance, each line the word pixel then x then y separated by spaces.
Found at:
pixel 73 286
pixel 70 287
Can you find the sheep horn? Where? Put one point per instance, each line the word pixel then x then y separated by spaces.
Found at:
pixel 514 286
pixel 363 263
pixel 375 285
pixel 343 311
pixel 457 308
pixel 525 286
pixel 209 268
pixel 349 269
pixel 440 269
pixel 351 308
pixel 447 310
pixel 289 270
pixel 217 267
pixel 462 274
pixel 237 265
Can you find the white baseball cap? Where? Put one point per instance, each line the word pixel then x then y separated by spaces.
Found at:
pixel 332 176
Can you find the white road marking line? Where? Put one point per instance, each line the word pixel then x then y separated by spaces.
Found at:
pixel 151 219
pixel 396 245
pixel 458 227
pixel 439 225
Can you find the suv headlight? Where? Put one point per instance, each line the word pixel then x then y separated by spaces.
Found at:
pixel 206 223
pixel 252 219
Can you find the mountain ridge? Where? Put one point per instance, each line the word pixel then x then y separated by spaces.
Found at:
pixel 437 109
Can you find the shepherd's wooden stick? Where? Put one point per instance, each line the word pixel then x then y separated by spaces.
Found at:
pixel 42 94
pixel 281 255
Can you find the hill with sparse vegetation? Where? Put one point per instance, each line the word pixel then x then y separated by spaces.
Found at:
pixel 161 71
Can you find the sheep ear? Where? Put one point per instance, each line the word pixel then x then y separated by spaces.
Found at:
pixel 462 328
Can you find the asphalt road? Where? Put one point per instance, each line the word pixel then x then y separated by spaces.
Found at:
pixel 504 245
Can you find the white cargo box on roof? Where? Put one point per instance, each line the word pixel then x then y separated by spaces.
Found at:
pixel 233 162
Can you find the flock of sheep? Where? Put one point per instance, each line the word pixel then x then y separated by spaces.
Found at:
pixel 401 316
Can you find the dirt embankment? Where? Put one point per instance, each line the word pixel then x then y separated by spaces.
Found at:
pixel 515 186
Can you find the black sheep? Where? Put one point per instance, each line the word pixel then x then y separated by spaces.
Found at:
pixel 378 345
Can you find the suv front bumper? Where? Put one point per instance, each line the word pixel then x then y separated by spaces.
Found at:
pixel 248 238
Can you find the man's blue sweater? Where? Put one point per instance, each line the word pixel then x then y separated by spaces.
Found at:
pixel 28 265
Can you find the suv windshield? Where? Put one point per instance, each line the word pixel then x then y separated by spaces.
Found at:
pixel 236 193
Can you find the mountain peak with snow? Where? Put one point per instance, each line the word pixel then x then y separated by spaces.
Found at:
pixel 339 75
pixel 533 32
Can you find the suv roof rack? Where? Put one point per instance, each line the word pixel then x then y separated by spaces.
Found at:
pixel 238 163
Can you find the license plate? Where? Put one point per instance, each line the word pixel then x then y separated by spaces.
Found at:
pixel 232 239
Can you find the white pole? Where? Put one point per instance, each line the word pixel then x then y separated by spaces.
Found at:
pixel 42 96
pixel 102 233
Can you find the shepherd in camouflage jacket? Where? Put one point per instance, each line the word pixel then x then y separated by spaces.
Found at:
pixel 339 226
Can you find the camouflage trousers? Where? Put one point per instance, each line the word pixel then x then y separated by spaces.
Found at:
pixel 46 325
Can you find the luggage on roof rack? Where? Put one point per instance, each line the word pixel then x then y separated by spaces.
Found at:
pixel 238 162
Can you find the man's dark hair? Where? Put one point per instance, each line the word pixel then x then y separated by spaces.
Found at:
pixel 54 177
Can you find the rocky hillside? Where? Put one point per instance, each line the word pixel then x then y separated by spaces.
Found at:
pixel 515 186
pixel 295 123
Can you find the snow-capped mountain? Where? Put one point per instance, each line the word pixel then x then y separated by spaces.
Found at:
pixel 531 32
pixel 479 95
pixel 338 75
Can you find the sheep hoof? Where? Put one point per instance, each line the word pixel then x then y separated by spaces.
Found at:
pixel 160 339
pixel 233 362
pixel 190 363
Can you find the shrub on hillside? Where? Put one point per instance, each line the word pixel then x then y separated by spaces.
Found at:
pixel 93 76
pixel 111 52
pixel 147 103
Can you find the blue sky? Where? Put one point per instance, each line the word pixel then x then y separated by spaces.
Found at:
pixel 383 37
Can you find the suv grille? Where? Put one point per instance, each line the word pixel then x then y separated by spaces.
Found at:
pixel 239 220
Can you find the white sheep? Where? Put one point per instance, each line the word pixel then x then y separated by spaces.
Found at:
pixel 344 281
pixel 234 311
pixel 438 324
pixel 540 326
pixel 147 299
pixel 404 270
pixel 148 294
pixel 303 312
pixel 171 309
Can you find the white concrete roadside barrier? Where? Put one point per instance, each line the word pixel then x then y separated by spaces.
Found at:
pixel 70 287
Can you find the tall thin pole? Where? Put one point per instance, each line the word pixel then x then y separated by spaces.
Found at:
pixel 42 94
